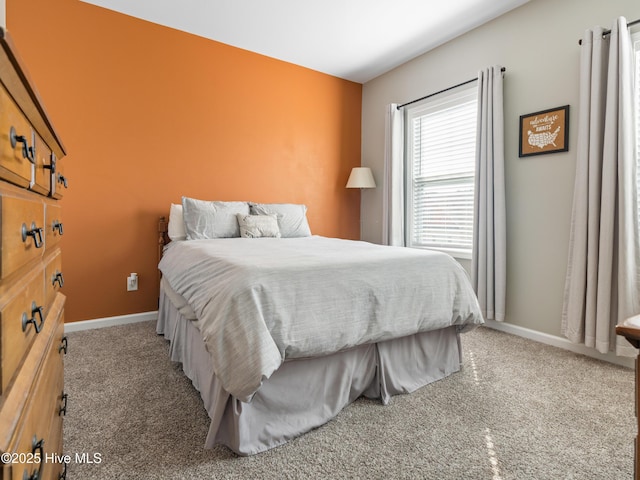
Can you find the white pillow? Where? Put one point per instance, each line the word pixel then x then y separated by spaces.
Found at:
pixel 292 218
pixel 176 223
pixel 204 219
pixel 258 226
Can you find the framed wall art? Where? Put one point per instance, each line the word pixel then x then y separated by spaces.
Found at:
pixel 546 131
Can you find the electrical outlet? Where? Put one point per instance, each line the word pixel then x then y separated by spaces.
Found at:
pixel 132 282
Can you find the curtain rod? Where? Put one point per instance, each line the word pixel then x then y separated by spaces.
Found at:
pixel 607 32
pixel 441 91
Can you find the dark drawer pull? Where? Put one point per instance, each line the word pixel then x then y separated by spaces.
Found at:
pixel 56 225
pixel 52 165
pixel 35 232
pixel 63 407
pixel 35 310
pixel 27 152
pixel 35 446
pixel 63 474
pixel 64 345
pixel 57 277
pixel 63 180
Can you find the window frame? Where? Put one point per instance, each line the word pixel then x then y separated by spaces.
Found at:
pixel 431 105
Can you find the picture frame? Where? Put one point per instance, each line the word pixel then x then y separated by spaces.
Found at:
pixel 546 131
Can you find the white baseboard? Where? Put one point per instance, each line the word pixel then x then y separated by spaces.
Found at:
pixel 110 321
pixel 560 343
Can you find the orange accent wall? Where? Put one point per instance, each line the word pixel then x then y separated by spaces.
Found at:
pixel 148 114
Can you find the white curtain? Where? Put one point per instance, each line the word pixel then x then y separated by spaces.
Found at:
pixel 489 265
pixel 601 287
pixel 393 212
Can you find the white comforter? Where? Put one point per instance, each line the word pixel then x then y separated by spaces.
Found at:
pixel 261 301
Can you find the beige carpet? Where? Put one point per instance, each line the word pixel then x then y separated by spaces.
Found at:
pixel 518 410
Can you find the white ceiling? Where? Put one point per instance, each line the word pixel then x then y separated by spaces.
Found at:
pixel 352 39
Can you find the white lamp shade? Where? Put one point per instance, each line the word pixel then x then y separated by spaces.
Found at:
pixel 361 177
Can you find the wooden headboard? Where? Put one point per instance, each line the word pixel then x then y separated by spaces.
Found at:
pixel 163 235
pixel 163 240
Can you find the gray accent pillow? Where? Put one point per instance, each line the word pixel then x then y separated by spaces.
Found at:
pixel 258 226
pixel 292 218
pixel 204 219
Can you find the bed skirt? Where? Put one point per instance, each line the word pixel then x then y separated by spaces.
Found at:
pixel 304 393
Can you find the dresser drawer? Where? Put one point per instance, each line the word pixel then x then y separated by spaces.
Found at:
pixel 15 166
pixel 53 279
pixel 22 232
pixel 53 224
pixel 42 172
pixel 52 469
pixel 42 414
pixel 20 319
pixel 59 183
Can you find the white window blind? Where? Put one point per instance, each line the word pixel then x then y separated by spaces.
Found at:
pixel 441 143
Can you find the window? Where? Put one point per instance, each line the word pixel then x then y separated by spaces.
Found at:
pixel 440 146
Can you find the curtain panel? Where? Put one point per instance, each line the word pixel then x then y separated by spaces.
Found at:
pixel 394 201
pixel 603 276
pixel 489 257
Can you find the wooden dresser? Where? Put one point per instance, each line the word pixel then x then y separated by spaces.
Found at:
pixel 630 330
pixel 32 342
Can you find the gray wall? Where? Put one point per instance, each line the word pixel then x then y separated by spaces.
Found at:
pixel 538 45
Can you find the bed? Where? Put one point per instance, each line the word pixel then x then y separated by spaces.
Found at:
pixel 279 329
